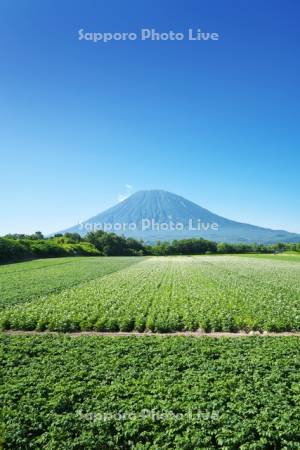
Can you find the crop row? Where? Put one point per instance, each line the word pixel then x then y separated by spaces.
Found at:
pixel 64 393
pixel 173 293
pixel 25 281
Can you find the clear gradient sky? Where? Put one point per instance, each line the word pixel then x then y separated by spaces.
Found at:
pixel 215 122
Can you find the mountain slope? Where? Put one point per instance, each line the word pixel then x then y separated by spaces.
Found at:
pixel 160 215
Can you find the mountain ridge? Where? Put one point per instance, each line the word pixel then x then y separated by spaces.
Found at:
pixel 162 209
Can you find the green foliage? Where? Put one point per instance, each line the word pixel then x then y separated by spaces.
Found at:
pixel 185 247
pixel 82 249
pixel 18 247
pixel 93 393
pixel 14 247
pixel 202 246
pixel 38 235
pixel 14 250
pixel 109 244
pixel 25 281
pixel 11 249
pixel 214 293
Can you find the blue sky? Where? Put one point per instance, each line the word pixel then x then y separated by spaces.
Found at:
pixel 216 122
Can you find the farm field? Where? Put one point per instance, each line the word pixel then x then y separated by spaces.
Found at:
pixel 167 294
pixel 151 392
pixel 25 281
pixel 91 393
pixel 285 256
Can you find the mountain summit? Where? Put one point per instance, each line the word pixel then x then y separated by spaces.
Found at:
pixel 160 215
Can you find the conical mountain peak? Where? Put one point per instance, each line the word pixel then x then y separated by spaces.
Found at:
pixel 157 214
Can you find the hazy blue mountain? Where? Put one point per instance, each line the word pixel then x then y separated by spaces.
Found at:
pixel 150 214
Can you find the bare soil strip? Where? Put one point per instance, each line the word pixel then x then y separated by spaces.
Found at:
pixel 197 334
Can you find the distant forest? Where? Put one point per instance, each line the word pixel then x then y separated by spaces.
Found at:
pixel 16 247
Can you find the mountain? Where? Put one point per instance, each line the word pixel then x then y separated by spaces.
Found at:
pixel 160 215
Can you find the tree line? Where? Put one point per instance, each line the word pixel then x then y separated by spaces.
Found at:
pixel 15 247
